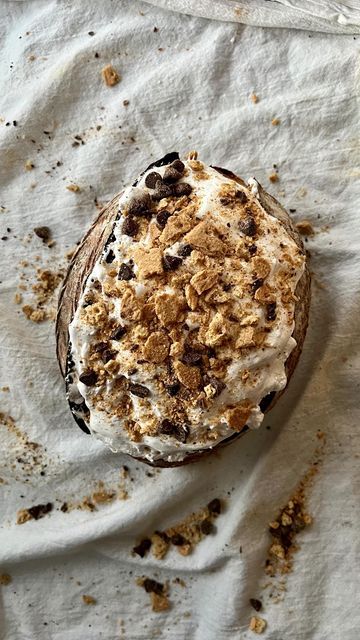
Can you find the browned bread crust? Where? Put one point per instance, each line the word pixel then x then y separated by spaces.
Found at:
pixel 90 250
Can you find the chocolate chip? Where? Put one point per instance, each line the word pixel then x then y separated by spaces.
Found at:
pixel 178 165
pixel 43 232
pixel 162 218
pixel 88 301
pixel 143 547
pixel 138 390
pixel 226 200
pixel 266 401
pixel 170 263
pixel 152 178
pixel 185 250
pixel 211 352
pixel 108 355
pixel 214 506
pixel 241 196
pixel 125 272
pixel 64 507
pixel 207 527
pixel 152 586
pixel 118 333
pixel 256 604
pixel 227 287
pixel 130 227
pixel 218 385
pixel 252 249
pixel 164 536
pixel 192 357
pixel 173 389
pixel 248 226
pixel 181 189
pixel 88 378
pixel 110 257
pixel 100 346
pixel 40 510
pixel 169 428
pixel 271 311
pixel 171 175
pixel 140 205
pixel 161 191
pixel 178 540
pixel 257 284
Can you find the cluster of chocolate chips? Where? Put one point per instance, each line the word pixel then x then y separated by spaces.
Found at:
pixel 162 187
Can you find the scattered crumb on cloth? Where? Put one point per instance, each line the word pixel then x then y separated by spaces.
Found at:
pixel 184 536
pixel 305 228
pixel 257 625
pixel 5 579
pixel 110 76
pixel 158 593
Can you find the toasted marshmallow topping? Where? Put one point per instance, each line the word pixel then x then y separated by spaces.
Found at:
pixel 186 320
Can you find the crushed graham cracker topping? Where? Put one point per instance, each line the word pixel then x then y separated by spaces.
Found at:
pixel 186 320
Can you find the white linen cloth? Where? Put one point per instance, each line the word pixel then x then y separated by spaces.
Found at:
pixel 189 86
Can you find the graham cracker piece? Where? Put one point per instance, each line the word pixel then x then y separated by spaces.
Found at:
pixel 305 228
pixel 169 308
pixel 204 280
pixel 245 338
pixel 110 75
pixel 261 267
pixel 204 237
pixel 156 347
pixel 130 307
pixel 264 294
pixel 159 602
pixel 238 415
pixel 149 262
pixel 218 330
pixel 177 225
pixel 257 625
pixel 191 297
pixel 190 377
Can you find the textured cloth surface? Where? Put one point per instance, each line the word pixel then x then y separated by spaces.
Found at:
pixel 315 15
pixel 189 85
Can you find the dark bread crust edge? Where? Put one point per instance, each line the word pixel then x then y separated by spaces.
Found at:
pixel 91 247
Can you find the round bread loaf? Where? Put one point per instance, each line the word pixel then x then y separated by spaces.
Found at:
pixel 183 313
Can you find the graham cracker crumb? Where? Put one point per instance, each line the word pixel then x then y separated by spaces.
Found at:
pixel 218 330
pixel 110 75
pixel 73 187
pixel 254 98
pixel 191 297
pixel 257 625
pixel 156 347
pixel 273 177
pixel 18 298
pixel 238 415
pixel 149 262
pixel 89 600
pixel 169 308
pixel 305 228
pixel 159 602
pixel 5 579
pixel 158 593
pixel 29 165
pixel 275 122
pixel 245 338
pixel 190 377
pixel 204 280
